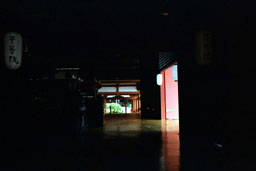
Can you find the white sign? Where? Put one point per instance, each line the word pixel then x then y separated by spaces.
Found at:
pixel 13 50
pixel 159 79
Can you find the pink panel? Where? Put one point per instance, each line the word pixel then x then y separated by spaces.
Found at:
pixel 171 90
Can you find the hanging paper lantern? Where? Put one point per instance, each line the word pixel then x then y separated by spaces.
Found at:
pixel 13 50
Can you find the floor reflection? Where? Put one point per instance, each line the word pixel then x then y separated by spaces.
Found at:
pixel 123 144
pixel 134 144
pixel 171 145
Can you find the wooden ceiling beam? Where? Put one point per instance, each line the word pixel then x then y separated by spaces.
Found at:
pixel 119 81
pixel 120 93
pixel 126 85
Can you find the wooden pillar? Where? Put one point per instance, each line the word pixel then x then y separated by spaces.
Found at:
pixel 133 106
pixel 137 105
pixel 105 104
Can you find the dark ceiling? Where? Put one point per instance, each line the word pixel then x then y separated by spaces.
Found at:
pixel 110 36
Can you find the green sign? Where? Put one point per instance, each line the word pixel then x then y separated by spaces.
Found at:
pixel 170 110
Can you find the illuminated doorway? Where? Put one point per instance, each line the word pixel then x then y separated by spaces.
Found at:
pixel 121 97
pixel 169 93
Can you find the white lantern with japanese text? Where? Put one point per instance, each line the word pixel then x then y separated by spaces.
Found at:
pixel 13 50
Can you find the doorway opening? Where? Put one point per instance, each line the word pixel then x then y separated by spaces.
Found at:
pixel 169 93
pixel 168 81
pixel 121 98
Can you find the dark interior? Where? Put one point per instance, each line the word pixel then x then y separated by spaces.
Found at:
pixel 129 40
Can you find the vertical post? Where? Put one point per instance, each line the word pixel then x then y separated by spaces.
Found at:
pixel 117 89
pixel 137 104
pixel 132 105
pixel 125 107
pixel 105 104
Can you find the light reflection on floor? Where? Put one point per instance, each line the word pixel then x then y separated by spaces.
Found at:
pixel 122 145
pixel 171 145
pixel 135 129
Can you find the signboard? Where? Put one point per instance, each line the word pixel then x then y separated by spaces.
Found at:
pixel 12 50
pixel 159 79
pixel 204 47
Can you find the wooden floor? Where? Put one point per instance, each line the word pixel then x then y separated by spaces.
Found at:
pixel 123 144
pixel 142 144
